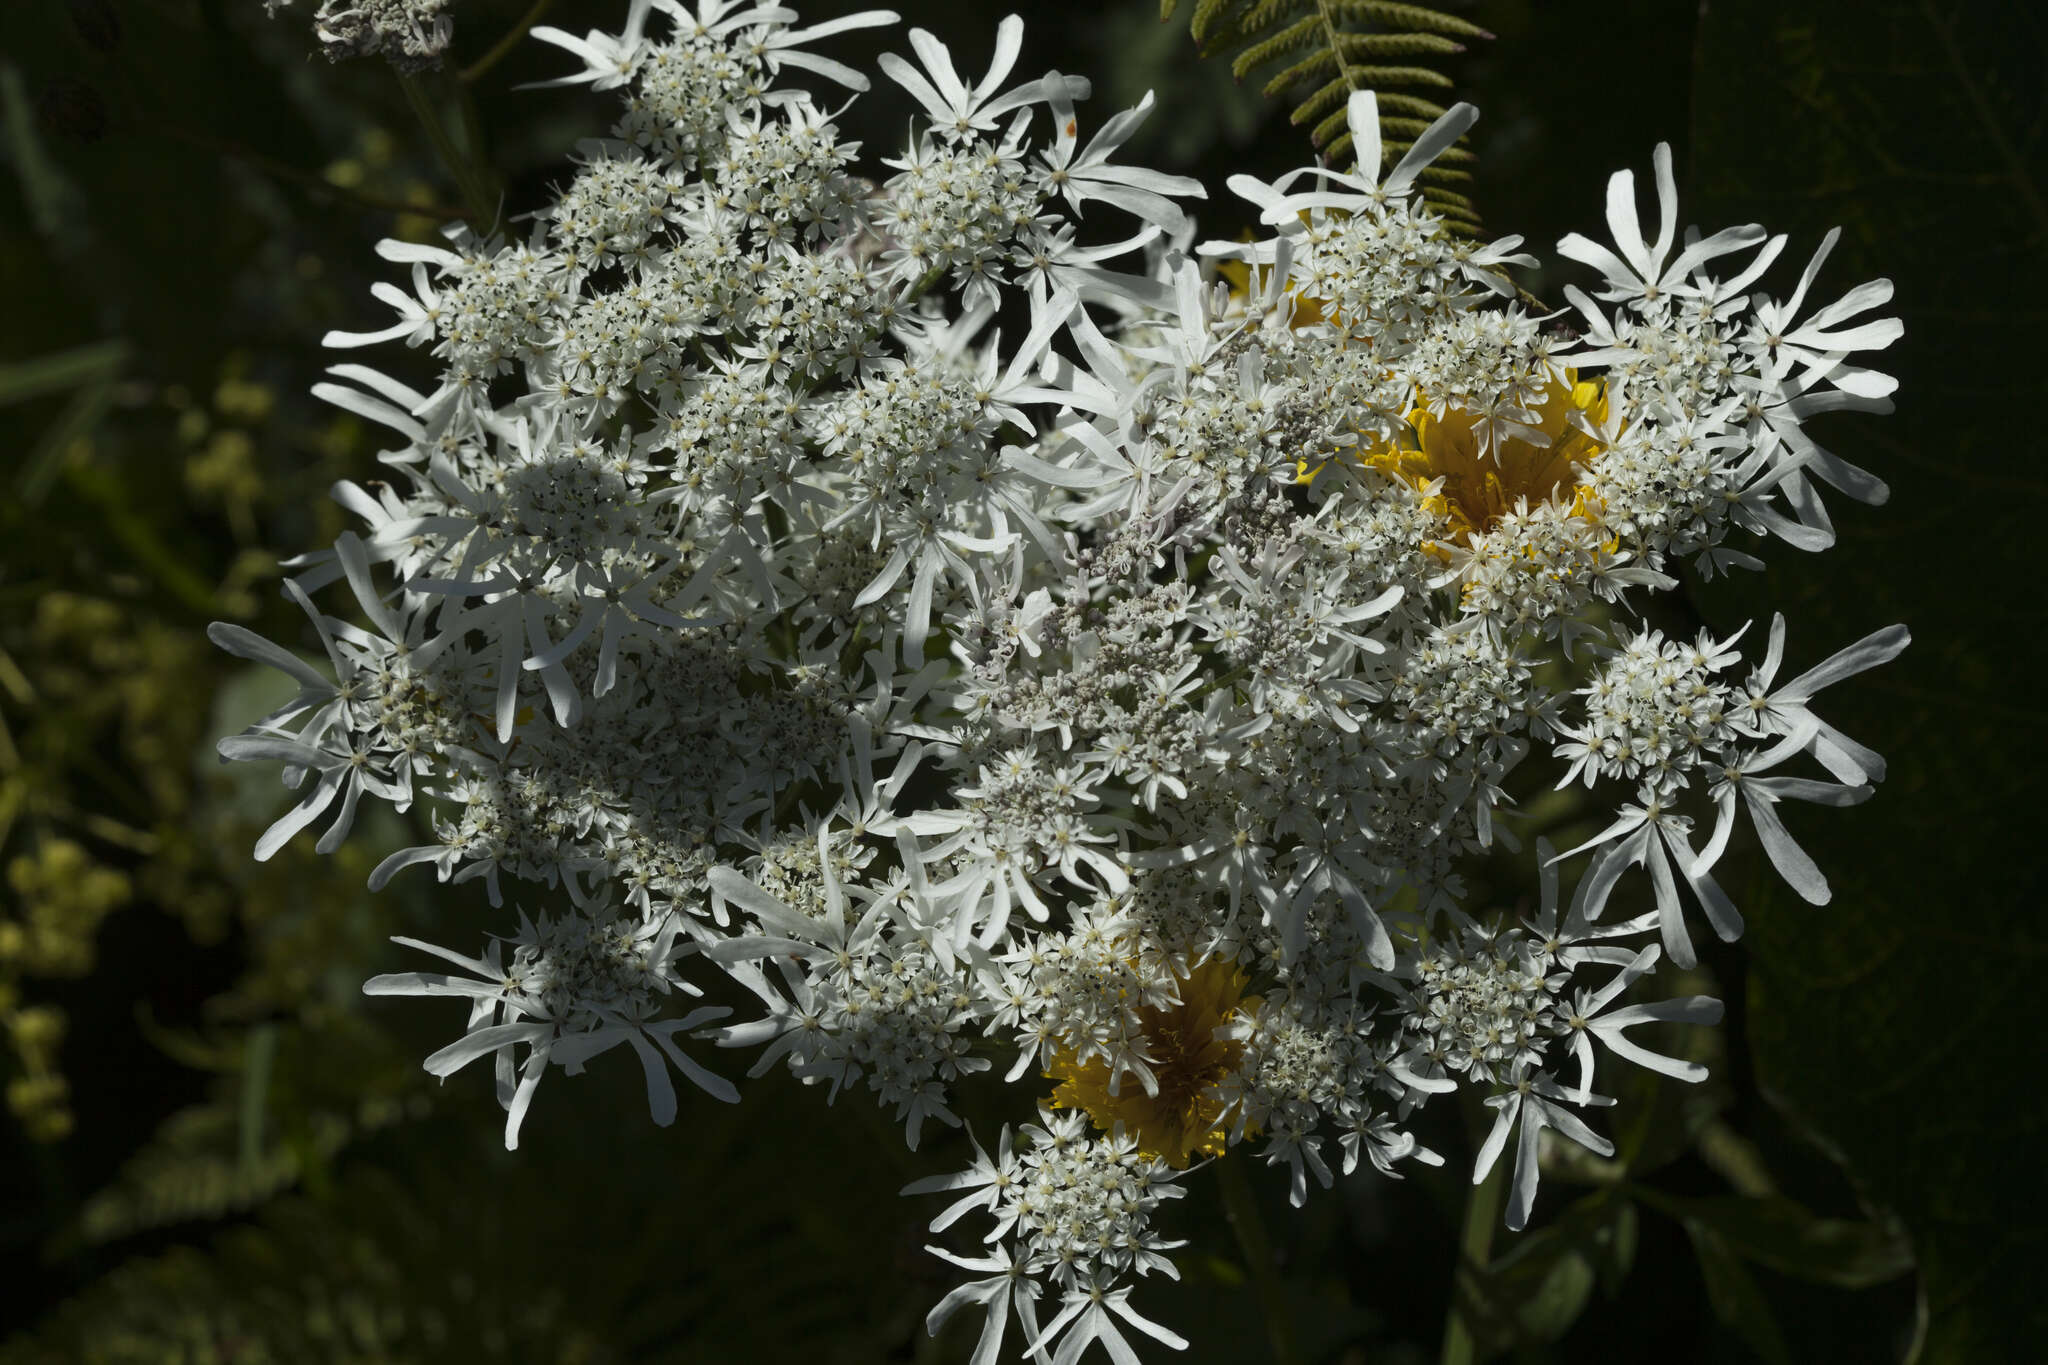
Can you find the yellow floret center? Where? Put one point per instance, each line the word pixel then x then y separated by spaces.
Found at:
pixel 1185 1118
pixel 1479 488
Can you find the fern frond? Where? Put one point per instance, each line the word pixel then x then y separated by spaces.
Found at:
pixel 190 1172
pixel 1333 48
pixel 1454 205
pixel 1449 156
pixel 1203 22
pixel 1333 125
pixel 1413 18
pixel 1311 67
pixel 1412 105
pixel 1410 128
pixel 1293 38
pixel 1374 77
pixel 1262 15
pixel 1380 46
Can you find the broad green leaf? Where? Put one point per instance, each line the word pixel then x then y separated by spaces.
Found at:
pixel 1787 1237
pixel 1538 1289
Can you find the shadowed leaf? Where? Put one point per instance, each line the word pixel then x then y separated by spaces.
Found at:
pixel 1890 1024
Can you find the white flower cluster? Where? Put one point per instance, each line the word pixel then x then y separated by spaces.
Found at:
pixel 1117 694
pixel 1069 1207
pixel 410 34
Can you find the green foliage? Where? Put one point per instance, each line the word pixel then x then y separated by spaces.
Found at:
pixel 1538 1289
pixel 1327 49
pixel 1729 1234
pixel 427 1244
pixel 87 373
pixel 1542 1285
pixel 373 1276
pixel 1738 1300
pixel 190 1172
pixel 1895 1024
pixel 1776 1232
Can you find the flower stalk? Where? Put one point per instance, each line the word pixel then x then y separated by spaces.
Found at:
pixel 511 39
pixel 1241 1208
pixel 473 181
pixel 1475 1250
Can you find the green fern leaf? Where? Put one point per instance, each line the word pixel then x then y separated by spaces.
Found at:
pixel 1312 67
pixel 1325 133
pixel 1319 105
pixel 1208 14
pixel 1409 128
pixel 1373 77
pixel 1379 47
pixel 1333 48
pixel 1414 18
pixel 1294 37
pixel 190 1172
pixel 1413 105
pixel 1264 14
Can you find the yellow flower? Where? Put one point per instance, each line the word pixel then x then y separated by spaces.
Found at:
pixel 1478 490
pixel 1184 1119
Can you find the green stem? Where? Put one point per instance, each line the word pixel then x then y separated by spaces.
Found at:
pixel 258 1054
pixel 474 151
pixel 476 194
pixel 1241 1207
pixel 505 44
pixel 314 184
pixel 1231 679
pixel 1475 1250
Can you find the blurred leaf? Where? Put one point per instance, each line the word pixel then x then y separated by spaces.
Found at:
pixel 1736 1160
pixel 1620 1248
pixel 88 370
pixel 109 493
pixel 259 1053
pixel 1537 1290
pixel 52 199
pixel 1199 107
pixel 1733 1292
pixel 1787 1237
pixel 1658 1120
pixel 1896 1024
pixel 61 371
pixel 190 1171
pixel 370 1276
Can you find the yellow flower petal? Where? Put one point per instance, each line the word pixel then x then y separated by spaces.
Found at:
pixel 1184 1119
